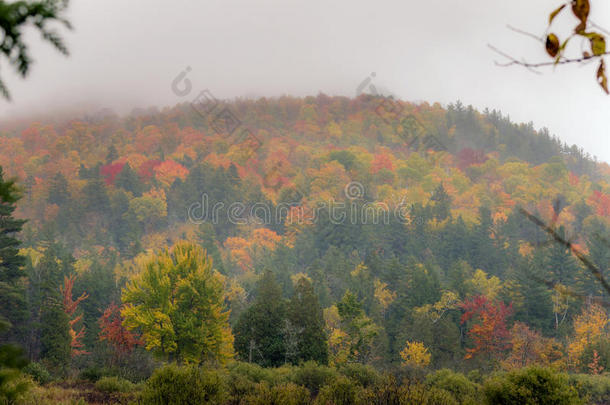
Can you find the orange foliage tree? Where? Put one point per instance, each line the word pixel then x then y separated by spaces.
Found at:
pixel 488 325
pixel 112 330
pixel 529 347
pixel 70 307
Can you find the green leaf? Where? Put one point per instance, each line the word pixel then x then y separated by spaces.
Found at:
pixel 598 45
pixel 552 45
pixel 554 13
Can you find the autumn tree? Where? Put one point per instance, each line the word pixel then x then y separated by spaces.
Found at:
pixel 114 332
pixel 589 327
pixel 487 326
pixel 70 307
pixel 353 339
pixel 528 347
pixel 176 302
pixel 415 354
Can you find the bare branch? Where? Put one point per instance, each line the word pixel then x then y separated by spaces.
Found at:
pixel 529 65
pixel 576 252
pixel 528 34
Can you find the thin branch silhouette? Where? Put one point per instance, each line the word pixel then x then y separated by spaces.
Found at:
pixel 575 251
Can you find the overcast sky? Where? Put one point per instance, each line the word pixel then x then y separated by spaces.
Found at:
pixel 126 53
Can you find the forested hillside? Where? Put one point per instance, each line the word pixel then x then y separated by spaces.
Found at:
pixel 337 230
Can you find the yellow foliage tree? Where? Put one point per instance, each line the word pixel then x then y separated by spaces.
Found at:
pixel 177 303
pixel 482 285
pixel 415 354
pixel 589 327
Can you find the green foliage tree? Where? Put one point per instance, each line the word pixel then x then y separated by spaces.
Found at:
pixel 129 180
pixel 48 329
pixel 55 336
pixel 12 297
pixel 176 301
pixel 305 314
pixel 259 333
pixel 361 329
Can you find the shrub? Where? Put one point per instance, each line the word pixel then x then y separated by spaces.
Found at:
pixel 38 372
pixel 362 374
pixel 461 388
pixel 184 385
pixel 341 391
pixel 114 384
pixel 532 385
pixel 94 373
pixel 312 376
pixel 283 394
pixel 252 372
pixel 594 388
pixel 245 377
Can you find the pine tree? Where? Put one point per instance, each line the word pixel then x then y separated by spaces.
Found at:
pixel 259 333
pixel 48 324
pixel 58 190
pixel 112 154
pixel 207 238
pixel 306 316
pixel 12 292
pixel 597 245
pixel 442 203
pixel 129 180
pixel 55 335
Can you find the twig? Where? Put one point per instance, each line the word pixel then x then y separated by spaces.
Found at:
pixel 528 34
pixel 576 252
pixel 530 65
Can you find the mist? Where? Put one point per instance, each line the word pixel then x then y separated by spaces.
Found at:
pixel 126 55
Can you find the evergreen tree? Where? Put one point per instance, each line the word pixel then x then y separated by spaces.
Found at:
pixel 207 238
pixel 112 154
pixel 58 190
pixel 306 316
pixel 535 306
pixel 259 333
pixel 442 203
pixel 48 325
pixel 55 336
pixel 96 197
pixel 129 180
pixel 598 246
pixel 12 299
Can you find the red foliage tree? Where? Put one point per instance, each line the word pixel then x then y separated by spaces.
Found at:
pixel 112 330
pixel 110 171
pixel 147 169
pixel 381 161
pixel 488 325
pixel 468 157
pixel 602 203
pixel 70 307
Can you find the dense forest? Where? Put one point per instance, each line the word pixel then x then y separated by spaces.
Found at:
pixel 293 250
